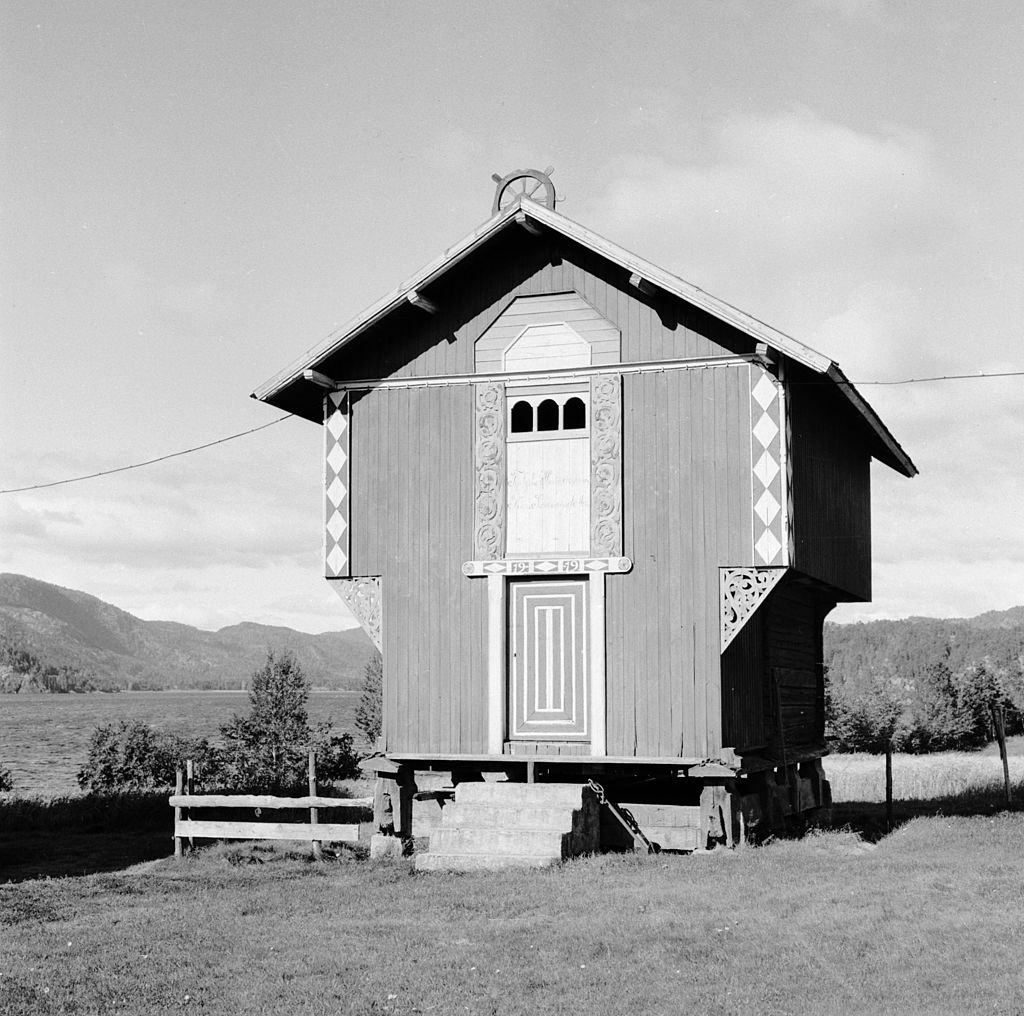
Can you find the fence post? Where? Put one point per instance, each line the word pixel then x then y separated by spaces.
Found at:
pixel 314 815
pixel 189 773
pixel 177 813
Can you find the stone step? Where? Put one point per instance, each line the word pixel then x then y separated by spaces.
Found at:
pixel 481 862
pixel 544 842
pixel 568 795
pixel 510 816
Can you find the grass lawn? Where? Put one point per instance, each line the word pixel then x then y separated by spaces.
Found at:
pixel 928 920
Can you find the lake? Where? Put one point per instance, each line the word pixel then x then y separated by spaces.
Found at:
pixel 44 739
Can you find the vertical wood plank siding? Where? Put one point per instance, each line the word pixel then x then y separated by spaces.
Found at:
pixel 686 504
pixel 412 482
pixel 746 715
pixel 831 489
pixel 662 617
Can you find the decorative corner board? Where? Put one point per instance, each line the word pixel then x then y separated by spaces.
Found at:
pixel 743 590
pixel 770 474
pixel 548 566
pixel 336 480
pixel 362 596
pixel 489 495
pixel 606 465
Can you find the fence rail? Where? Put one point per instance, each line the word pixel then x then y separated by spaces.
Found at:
pixel 184 801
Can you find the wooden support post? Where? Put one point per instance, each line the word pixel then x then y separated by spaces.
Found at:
pixel 888 785
pixel 531 772
pixel 999 722
pixel 179 781
pixel 314 815
pixel 190 790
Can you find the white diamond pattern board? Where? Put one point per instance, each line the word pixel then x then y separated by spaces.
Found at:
pixel 336 505
pixel 768 480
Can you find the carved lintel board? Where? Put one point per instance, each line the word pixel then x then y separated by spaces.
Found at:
pixel 743 590
pixel 547 566
pixel 362 596
pixel 489 475
pixel 606 466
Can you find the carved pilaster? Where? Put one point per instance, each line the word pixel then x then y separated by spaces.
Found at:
pixel 489 496
pixel 362 596
pixel 743 590
pixel 606 466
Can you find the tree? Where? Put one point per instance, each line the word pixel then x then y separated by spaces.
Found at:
pixel 369 714
pixel 268 749
pixel 6 780
pixel 869 720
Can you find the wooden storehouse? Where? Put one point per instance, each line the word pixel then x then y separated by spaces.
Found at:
pixel 593 518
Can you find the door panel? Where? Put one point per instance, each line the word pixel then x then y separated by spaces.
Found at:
pixel 548 671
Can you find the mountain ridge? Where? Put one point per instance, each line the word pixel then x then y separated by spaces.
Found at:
pixel 69 628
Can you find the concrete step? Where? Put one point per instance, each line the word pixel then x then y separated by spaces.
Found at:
pixel 553 795
pixel 512 816
pixel 481 862
pixel 544 842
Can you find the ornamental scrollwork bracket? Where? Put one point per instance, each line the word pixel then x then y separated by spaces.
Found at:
pixel 743 590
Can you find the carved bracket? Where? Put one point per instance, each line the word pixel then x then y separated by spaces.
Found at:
pixel 362 596
pixel 489 496
pixel 606 466
pixel 743 590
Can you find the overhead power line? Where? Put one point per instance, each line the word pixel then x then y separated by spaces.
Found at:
pixel 148 462
pixel 264 426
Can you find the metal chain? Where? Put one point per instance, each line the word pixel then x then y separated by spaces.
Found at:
pixel 624 818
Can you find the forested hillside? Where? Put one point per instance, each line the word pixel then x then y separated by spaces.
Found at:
pixel 59 639
pixel 933 681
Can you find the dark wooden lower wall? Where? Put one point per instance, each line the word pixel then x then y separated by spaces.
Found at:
pixel 773 686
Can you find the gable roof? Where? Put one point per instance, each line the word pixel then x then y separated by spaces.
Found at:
pixel 524 210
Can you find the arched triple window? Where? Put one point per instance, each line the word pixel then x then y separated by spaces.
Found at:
pixel 549 413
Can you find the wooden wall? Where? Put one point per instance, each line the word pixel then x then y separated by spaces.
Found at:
pixel 686 505
pixel 773 674
pixel 793 617
pixel 831 488
pixel 686 511
pixel 412 524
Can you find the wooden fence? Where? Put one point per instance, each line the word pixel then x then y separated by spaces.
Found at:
pixel 184 801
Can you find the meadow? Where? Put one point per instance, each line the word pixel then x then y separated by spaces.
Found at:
pixel 846 919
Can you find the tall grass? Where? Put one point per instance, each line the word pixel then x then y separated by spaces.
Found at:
pixel 946 775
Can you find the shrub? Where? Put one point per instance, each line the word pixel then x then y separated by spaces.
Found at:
pixel 6 780
pixel 133 756
pixel 369 714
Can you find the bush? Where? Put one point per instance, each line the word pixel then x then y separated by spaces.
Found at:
pixel 133 756
pixel 6 780
pixel 267 751
pixel 369 714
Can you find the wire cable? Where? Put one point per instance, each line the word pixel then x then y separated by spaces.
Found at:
pixel 264 426
pixel 148 462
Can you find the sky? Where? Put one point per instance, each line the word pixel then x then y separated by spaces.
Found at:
pixel 195 193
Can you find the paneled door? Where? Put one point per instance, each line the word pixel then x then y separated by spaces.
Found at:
pixel 548 660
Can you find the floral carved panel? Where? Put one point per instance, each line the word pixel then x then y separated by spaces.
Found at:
pixel 606 466
pixel 489 494
pixel 362 596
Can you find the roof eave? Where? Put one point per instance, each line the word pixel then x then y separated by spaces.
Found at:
pixel 890 452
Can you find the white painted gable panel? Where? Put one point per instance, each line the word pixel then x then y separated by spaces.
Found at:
pixel 558 312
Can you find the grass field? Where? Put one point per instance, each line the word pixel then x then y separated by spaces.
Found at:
pixel 931 920
pixel 949 774
pixel 928 918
